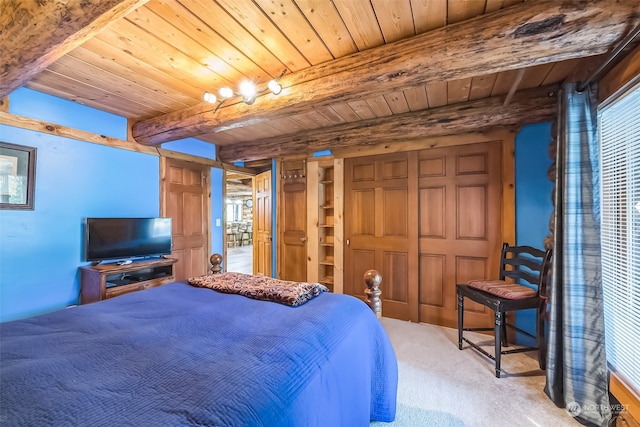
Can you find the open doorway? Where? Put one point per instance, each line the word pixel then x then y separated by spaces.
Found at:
pixel 239 222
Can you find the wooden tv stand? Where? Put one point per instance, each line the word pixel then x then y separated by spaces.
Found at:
pixel 102 281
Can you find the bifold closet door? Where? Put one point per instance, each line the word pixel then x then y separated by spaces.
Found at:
pixel 380 229
pixel 459 196
pixel 425 220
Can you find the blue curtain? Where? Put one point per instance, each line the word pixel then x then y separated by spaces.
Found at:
pixel 577 377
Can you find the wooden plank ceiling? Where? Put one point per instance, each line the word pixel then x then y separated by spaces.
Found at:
pixel 238 185
pixel 161 57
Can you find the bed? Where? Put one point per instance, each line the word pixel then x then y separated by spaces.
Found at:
pixel 179 355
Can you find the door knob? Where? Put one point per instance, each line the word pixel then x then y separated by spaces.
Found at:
pixel 303 239
pixel 348 242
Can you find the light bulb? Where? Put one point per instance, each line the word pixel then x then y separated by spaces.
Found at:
pixel 274 87
pixel 247 89
pixel 226 92
pixel 209 97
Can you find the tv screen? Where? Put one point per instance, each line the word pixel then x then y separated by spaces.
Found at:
pixel 117 238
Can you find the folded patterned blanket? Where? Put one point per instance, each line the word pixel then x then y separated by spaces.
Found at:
pixel 260 287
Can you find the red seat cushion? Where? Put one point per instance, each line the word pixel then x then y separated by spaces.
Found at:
pixel 503 289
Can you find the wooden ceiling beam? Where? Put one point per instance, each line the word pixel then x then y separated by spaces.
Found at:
pixel 531 33
pixel 37 33
pixel 529 106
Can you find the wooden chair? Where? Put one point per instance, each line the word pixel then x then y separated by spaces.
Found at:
pixel 232 236
pixel 247 235
pixel 518 264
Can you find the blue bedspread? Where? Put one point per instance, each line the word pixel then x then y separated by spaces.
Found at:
pixel 178 355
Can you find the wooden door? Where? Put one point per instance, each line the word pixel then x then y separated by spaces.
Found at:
pixel 380 229
pixel 185 198
pixel 262 236
pixel 292 221
pixel 459 229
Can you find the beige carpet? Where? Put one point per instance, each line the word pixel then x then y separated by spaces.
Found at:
pixel 440 385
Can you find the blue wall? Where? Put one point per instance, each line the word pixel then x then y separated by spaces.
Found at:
pixel 40 106
pixel 41 250
pixel 533 196
pixel 217 209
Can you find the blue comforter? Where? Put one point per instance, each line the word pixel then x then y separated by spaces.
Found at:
pixel 177 355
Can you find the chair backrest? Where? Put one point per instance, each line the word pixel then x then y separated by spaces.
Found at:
pixel 526 263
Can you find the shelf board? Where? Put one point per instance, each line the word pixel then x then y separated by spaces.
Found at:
pixel 326 245
pixel 327 280
pixel 326 181
pixel 113 267
pixel 325 225
pixel 326 207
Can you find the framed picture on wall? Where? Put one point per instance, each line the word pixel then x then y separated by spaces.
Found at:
pixel 17 176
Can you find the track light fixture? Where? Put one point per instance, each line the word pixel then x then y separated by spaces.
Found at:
pixel 210 97
pixel 274 87
pixel 247 90
pixel 226 92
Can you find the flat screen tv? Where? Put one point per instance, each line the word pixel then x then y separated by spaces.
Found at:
pixel 119 238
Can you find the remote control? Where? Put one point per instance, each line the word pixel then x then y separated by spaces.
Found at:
pixel 125 262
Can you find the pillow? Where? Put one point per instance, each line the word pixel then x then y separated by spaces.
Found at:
pixel 503 289
pixel 260 287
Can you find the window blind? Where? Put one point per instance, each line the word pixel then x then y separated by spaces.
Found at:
pixel 619 129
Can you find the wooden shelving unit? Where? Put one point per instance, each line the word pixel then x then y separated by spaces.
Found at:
pixel 325 225
pixel 324 209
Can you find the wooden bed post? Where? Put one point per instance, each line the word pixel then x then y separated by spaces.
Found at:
pixel 372 278
pixel 216 264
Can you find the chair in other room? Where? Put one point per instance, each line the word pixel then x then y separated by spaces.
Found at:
pixel 232 236
pixel 521 285
pixel 247 235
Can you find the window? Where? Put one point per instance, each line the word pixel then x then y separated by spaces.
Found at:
pixel 619 127
pixel 234 210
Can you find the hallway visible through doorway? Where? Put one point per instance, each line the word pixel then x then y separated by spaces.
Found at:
pixel 239 222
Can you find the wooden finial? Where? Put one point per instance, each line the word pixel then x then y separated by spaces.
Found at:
pixel 216 264
pixel 372 278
